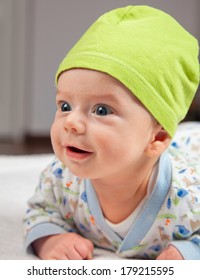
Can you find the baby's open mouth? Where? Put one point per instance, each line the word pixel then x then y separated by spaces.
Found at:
pixel 76 150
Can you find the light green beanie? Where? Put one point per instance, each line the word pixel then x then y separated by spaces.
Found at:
pixel 149 52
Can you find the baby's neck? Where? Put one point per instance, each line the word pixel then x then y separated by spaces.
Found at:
pixel 119 199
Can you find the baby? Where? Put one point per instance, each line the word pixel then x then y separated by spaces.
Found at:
pixel 118 181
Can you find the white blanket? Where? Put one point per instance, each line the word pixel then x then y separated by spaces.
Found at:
pixel 19 176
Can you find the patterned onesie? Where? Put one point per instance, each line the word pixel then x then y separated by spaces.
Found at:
pixel 65 203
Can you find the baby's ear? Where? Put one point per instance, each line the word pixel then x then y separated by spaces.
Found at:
pixel 161 140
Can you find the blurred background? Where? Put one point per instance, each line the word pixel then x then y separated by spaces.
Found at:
pixel 35 35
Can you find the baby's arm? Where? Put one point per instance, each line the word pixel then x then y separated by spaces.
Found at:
pixel 170 253
pixel 49 223
pixel 68 246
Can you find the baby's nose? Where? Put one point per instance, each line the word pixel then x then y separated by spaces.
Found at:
pixel 74 123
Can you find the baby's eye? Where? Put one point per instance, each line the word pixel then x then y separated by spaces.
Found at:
pixel 102 110
pixel 65 107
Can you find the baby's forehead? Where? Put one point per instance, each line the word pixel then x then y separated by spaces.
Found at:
pixel 96 85
pixel 90 81
pixel 91 84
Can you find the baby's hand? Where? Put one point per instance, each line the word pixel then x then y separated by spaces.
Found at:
pixel 68 246
pixel 170 253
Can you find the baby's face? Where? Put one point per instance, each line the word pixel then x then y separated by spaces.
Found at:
pixel 100 129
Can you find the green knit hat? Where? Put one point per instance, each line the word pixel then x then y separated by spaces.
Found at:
pixel 147 51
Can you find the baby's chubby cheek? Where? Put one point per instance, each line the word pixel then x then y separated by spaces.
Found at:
pixel 54 137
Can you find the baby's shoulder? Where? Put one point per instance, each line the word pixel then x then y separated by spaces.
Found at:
pixel 185 177
pixel 186 141
pixel 184 150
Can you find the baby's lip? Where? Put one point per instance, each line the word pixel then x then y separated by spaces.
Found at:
pixel 77 150
pixel 77 154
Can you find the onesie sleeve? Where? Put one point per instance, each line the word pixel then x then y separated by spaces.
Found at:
pixel 189 249
pixel 48 210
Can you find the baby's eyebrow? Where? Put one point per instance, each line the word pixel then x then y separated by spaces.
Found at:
pixel 61 94
pixel 98 97
pixel 109 95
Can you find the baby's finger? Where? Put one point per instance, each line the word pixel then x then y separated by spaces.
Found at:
pixel 89 257
pixel 64 257
pixel 91 249
pixel 73 254
pixel 85 249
